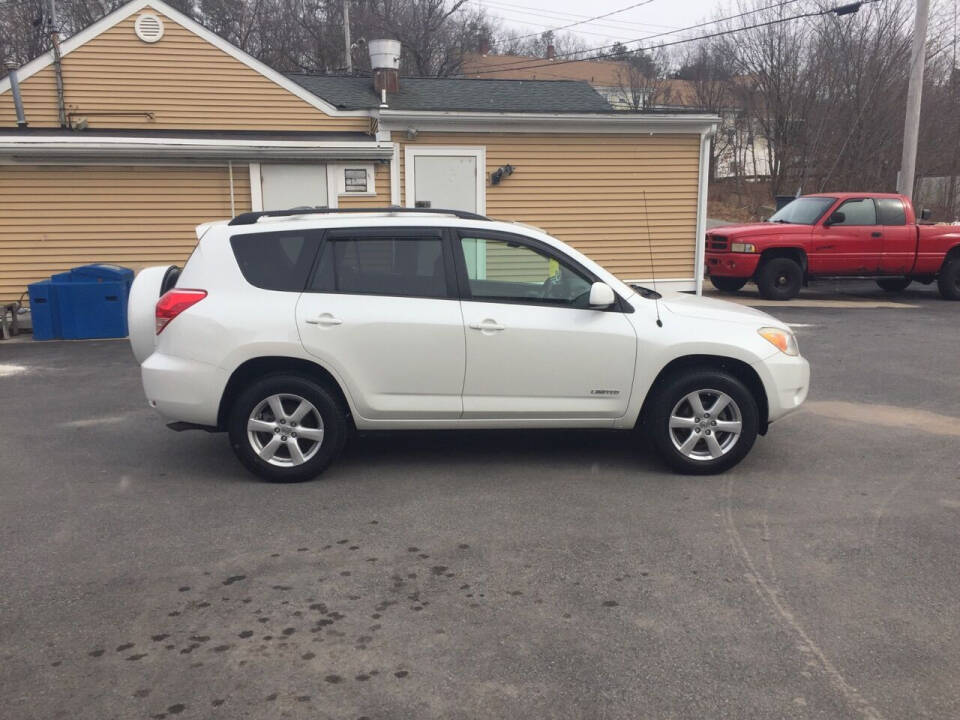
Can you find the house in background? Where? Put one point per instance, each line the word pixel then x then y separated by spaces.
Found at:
pixel 162 125
pixel 739 149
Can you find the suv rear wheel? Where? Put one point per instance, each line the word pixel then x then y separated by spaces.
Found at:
pixel 703 421
pixel 286 428
pixel 780 279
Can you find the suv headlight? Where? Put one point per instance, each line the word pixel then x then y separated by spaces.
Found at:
pixel 785 341
pixel 743 247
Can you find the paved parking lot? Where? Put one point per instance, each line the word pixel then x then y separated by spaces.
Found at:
pixel 144 574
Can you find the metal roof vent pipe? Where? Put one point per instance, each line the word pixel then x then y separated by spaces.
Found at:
pixel 385 61
pixel 15 91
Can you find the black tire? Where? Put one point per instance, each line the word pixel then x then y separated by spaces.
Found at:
pixel 327 407
pixel 948 281
pixel 780 279
pixel 673 390
pixel 894 284
pixel 727 284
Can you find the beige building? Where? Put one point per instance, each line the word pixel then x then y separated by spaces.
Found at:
pixel 162 125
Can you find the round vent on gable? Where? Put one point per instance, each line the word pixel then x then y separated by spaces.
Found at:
pixel 148 27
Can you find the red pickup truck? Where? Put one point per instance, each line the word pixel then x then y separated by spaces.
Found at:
pixel 835 235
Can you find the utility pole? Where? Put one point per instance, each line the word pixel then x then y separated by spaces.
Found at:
pixel 911 126
pixel 57 64
pixel 348 54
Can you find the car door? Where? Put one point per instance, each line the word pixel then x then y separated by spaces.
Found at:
pixel 381 310
pixel 849 246
pixel 535 349
pixel 899 239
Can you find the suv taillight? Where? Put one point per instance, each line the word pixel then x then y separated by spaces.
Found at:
pixel 175 301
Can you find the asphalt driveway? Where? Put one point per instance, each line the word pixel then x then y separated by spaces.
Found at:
pixel 144 574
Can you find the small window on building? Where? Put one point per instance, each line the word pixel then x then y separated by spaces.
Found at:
pixel 275 261
pixel 355 180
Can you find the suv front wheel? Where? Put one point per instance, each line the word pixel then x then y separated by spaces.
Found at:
pixel 702 421
pixel 286 428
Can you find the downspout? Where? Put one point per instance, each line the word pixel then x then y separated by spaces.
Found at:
pixel 703 190
pixel 57 65
pixel 233 208
pixel 15 91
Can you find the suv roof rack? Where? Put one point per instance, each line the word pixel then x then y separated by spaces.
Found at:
pixel 250 218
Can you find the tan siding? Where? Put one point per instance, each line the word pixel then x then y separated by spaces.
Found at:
pixel 56 217
pixel 588 191
pixel 381 199
pixel 186 82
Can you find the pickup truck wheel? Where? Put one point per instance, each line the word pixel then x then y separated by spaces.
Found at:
pixel 949 279
pixel 702 421
pixel 780 279
pixel 286 428
pixel 895 284
pixel 727 284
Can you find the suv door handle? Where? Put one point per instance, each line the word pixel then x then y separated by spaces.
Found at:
pixel 487 325
pixel 876 234
pixel 326 320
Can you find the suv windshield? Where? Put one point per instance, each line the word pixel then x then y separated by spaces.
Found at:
pixel 802 211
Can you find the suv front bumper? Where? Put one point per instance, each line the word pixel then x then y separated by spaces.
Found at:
pixel 786 381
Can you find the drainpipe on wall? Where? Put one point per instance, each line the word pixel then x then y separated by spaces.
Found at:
pixel 702 193
pixel 57 64
pixel 15 90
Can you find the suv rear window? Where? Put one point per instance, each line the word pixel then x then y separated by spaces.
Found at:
pixel 397 266
pixel 276 260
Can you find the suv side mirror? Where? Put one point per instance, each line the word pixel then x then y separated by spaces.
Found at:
pixel 926 214
pixel 601 295
pixel 836 218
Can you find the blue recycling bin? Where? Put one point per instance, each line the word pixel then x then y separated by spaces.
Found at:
pixel 44 310
pixel 91 301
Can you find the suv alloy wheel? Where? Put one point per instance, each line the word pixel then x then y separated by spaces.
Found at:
pixel 286 428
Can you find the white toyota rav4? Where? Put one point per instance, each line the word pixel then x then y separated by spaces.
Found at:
pixel 287 329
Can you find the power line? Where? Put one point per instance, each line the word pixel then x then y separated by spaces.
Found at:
pixel 581 22
pixel 522 64
pixel 561 16
pixel 610 28
pixel 845 9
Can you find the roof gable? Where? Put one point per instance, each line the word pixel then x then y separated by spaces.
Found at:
pixel 78 41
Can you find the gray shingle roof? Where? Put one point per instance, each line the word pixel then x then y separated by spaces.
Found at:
pixel 459 94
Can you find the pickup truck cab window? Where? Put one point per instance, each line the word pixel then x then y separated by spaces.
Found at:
pixel 857 212
pixel 802 211
pixel 891 212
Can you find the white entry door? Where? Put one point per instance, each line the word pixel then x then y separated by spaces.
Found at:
pixel 446 178
pixel 286 186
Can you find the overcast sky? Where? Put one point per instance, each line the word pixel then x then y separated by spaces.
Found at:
pixel 654 17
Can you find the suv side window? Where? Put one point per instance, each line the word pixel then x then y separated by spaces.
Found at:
pixel 891 211
pixel 858 212
pixel 382 265
pixel 275 260
pixel 500 270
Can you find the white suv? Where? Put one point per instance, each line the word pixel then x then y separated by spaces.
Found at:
pixel 288 329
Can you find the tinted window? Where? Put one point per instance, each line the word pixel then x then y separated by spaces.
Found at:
pixel 500 270
pixel 802 211
pixel 858 212
pixel 411 267
pixel 275 261
pixel 891 211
